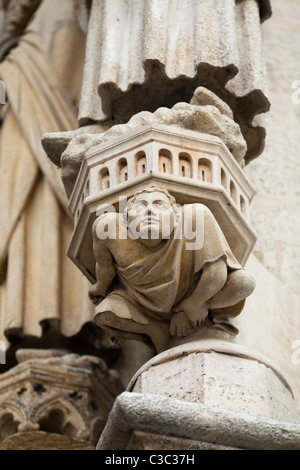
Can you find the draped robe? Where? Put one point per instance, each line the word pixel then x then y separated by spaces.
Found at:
pixel 153 284
pixel 146 54
pixel 38 282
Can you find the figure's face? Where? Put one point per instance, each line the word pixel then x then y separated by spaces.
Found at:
pixel 152 215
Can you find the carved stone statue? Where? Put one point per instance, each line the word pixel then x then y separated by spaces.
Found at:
pixel 32 289
pixel 145 54
pixel 164 270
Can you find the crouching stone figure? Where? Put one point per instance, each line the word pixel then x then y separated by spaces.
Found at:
pixel 163 270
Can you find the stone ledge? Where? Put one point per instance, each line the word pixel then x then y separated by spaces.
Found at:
pixel 153 414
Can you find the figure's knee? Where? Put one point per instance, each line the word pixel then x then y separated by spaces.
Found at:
pixel 103 319
pixel 244 282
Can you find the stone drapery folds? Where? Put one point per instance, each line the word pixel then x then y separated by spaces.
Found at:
pixel 35 221
pixel 141 55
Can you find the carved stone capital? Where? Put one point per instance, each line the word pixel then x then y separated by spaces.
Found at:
pixel 55 401
pixel 155 155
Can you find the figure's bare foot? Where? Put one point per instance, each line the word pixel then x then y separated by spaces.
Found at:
pixel 198 316
pixel 180 324
pixel 195 312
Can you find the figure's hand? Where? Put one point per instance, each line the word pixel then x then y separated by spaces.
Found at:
pixel 94 295
pixel 180 324
pixel 96 299
pixel 196 313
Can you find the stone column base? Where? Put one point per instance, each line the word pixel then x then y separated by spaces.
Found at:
pixel 219 373
pixel 151 422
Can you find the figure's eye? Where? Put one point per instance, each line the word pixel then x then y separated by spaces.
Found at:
pixel 161 204
pixel 140 204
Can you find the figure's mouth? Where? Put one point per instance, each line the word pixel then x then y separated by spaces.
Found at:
pixel 149 221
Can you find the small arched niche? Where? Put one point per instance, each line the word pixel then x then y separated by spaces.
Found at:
pixel 233 192
pixel 243 205
pixel 204 170
pixel 122 169
pixel 185 165
pixel 224 180
pixel 140 163
pixel 8 425
pixel 165 161
pixel 87 188
pixel 57 422
pixel 104 179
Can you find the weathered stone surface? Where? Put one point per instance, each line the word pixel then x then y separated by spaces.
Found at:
pixel 140 440
pixel 38 440
pixel 152 414
pixel 270 323
pixel 206 113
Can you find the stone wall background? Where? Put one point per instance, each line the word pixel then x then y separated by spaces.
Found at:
pixel 270 323
pixel 275 210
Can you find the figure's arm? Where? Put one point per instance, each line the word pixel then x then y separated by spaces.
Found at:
pixel 191 311
pixel 105 267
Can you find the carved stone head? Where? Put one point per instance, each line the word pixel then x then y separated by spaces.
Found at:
pixel 151 213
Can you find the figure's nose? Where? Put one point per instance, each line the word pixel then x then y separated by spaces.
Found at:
pixel 150 209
